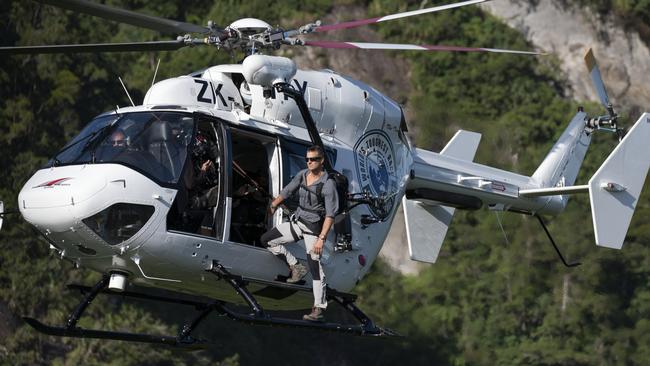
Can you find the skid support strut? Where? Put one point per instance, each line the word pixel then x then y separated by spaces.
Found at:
pixel 239 284
pixel 71 329
pixel 258 316
pixel 79 310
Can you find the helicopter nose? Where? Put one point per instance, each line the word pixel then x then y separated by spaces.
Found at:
pixel 52 197
pixel 93 209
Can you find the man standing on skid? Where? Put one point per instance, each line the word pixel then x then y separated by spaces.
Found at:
pixel 318 204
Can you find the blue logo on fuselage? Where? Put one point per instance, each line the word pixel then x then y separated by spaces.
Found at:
pixel 375 163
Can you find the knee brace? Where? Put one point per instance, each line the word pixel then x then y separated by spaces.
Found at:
pixel 313 268
pixel 269 236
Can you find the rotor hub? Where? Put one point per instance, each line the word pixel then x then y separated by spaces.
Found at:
pixel 247 27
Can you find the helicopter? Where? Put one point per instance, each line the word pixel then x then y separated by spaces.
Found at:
pixel 121 207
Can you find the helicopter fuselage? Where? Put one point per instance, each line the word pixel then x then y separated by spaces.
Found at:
pixel 125 206
pixel 70 202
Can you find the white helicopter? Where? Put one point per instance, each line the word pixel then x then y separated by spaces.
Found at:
pixel 122 206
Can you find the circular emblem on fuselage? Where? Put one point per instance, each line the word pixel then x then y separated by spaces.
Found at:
pixel 375 163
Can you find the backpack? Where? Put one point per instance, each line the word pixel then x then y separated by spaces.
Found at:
pixel 341 183
pixel 342 222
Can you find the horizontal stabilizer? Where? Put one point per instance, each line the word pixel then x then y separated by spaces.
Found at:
pixel 615 188
pixel 553 191
pixel 427 224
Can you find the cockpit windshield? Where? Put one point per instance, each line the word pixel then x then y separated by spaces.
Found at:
pixel 152 142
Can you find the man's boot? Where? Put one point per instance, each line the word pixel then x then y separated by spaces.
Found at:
pixel 316 315
pixel 298 271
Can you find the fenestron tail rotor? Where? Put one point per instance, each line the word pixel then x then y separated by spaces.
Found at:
pixel 606 122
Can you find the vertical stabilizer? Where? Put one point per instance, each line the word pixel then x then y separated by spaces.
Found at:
pixel 615 188
pixel 561 165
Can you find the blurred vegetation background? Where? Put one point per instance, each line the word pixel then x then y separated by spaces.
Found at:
pixel 493 297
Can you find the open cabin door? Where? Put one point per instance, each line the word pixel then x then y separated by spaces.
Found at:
pixel 253 179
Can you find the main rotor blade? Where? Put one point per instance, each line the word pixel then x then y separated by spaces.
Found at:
pixel 596 78
pixel 97 47
pixel 411 47
pixel 358 23
pixel 129 17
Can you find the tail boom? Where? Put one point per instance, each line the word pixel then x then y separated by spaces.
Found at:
pixel 614 189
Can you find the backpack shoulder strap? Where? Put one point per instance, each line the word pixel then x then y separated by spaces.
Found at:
pixel 319 192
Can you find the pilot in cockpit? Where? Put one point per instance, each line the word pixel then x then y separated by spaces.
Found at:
pixel 118 139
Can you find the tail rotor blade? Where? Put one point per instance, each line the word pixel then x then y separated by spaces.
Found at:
pixel 410 47
pixel 358 23
pixel 596 78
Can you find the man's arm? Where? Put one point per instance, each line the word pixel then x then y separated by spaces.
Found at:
pixel 286 192
pixel 275 203
pixel 331 199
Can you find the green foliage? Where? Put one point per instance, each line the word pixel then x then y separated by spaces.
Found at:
pixel 633 14
pixel 627 10
pixel 489 300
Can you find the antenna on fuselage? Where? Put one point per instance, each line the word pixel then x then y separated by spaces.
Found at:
pixel 126 91
pixel 155 72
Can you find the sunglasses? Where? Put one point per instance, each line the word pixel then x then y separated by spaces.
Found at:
pixel 316 158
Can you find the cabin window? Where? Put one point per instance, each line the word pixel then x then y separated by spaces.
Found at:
pixel 293 161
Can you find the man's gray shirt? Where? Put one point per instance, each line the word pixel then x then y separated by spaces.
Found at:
pixel 308 198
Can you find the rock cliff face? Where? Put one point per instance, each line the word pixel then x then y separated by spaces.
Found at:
pixel 567 31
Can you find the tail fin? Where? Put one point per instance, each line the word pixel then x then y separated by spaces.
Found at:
pixel 561 165
pixel 615 188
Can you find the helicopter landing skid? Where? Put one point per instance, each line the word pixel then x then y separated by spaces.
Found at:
pixel 183 339
pixel 258 316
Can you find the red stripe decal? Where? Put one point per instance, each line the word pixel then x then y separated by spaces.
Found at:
pixel 53 182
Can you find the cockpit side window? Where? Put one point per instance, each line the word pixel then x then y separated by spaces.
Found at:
pixel 74 150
